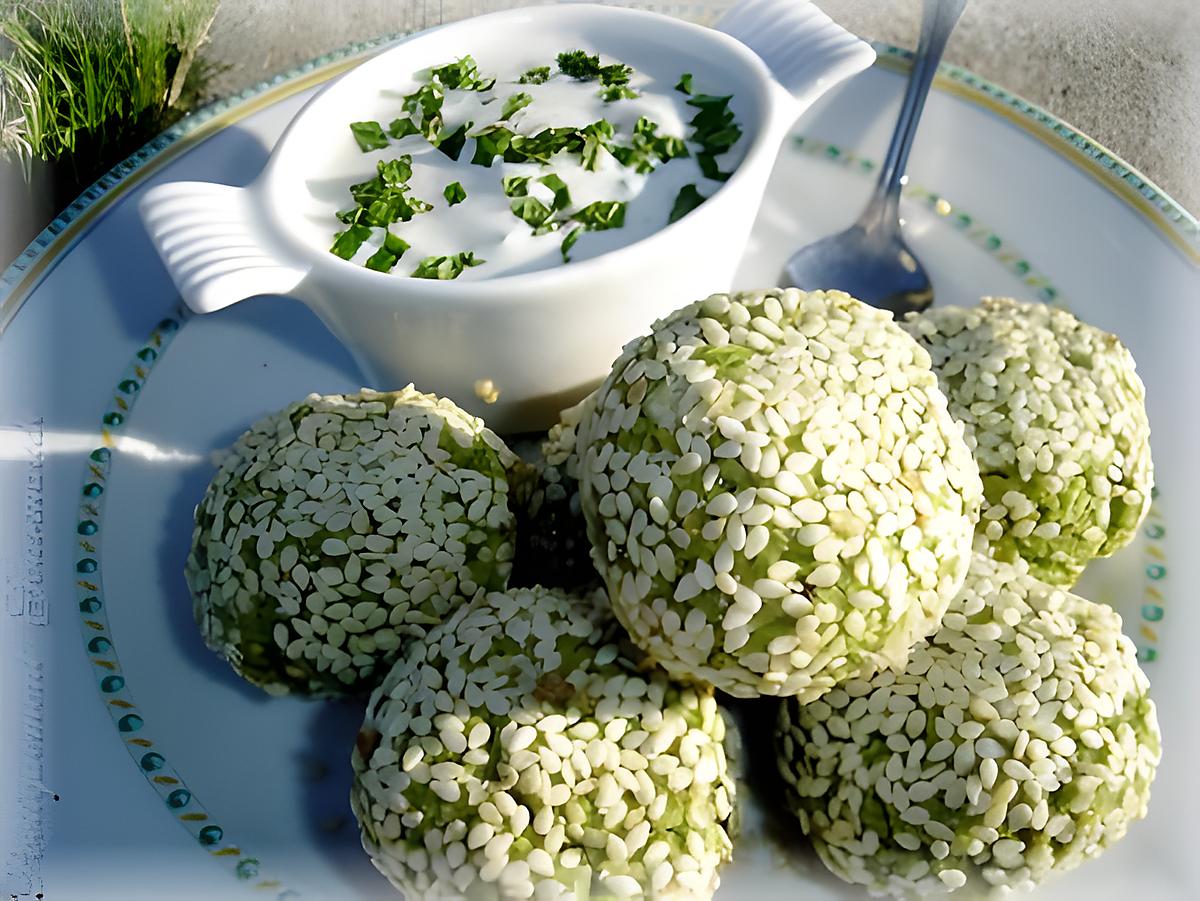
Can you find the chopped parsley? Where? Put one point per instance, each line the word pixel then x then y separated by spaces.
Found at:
pixel 515 102
pixel 446 268
pixel 534 213
pixel 536 75
pixel 579 64
pixel 688 198
pixel 462 75
pixel 540 200
pixel 617 73
pixel 601 215
pixel 384 199
pixel 346 243
pixel 402 128
pixel 709 167
pixel 515 185
pixel 397 172
pixel 614 78
pixel 713 127
pixel 562 195
pixel 386 256
pixel 649 148
pixel 540 147
pixel 596 137
pixel 425 106
pixel 490 142
pixel 618 92
pixel 369 135
pixel 569 241
pixel 451 143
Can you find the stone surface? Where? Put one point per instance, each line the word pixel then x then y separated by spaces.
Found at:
pixel 1125 73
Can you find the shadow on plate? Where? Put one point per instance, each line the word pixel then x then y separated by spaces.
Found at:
pixel 768 828
pixel 324 771
pixel 175 542
pixel 125 262
pixel 288 321
pixel 277 318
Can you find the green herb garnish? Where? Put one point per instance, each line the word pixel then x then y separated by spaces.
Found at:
pixel 562 195
pixel 369 135
pixel 515 102
pixel 531 210
pixel 425 105
pixel 649 148
pixel 384 199
pixel 490 142
pixel 708 165
pixel 386 256
pixel 451 143
pixel 496 140
pixel 579 64
pixel 713 126
pixel 402 128
pixel 715 130
pixel 446 268
pixel 596 137
pixel 515 185
pixel 395 173
pixel 617 73
pixel 533 213
pixel 536 75
pixel 569 241
pixel 462 75
pixel 346 243
pixel 618 92
pixel 614 78
pixel 686 200
pixel 601 215
pixel 540 147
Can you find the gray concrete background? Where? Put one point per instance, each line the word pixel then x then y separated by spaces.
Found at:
pixel 1126 72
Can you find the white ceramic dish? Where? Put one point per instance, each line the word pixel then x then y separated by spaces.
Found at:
pixel 515 348
pixel 112 400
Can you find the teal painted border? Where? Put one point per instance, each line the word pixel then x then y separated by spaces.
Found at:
pixel 100 646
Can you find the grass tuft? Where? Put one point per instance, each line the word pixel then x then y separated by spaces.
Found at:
pixel 85 82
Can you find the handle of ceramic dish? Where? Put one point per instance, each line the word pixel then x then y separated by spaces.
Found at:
pixel 208 238
pixel 807 51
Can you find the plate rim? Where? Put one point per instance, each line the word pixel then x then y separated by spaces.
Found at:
pixel 154 761
pixel 19 282
pixel 1166 216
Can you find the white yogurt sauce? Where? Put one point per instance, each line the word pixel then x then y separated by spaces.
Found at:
pixel 483 223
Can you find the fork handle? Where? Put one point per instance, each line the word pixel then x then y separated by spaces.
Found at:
pixel 938 19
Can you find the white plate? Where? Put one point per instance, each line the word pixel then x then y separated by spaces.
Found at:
pixel 1003 200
